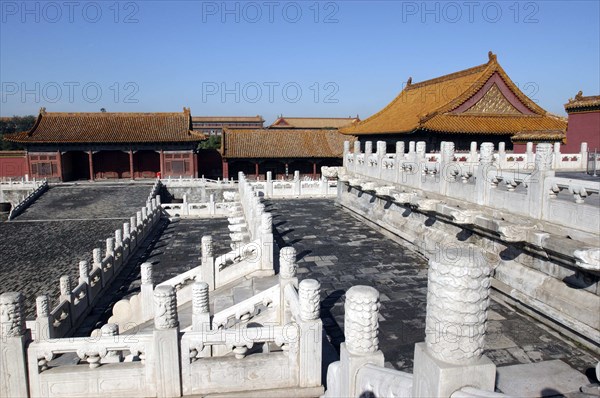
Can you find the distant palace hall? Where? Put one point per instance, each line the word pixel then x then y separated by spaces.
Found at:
pixel 74 146
pixel 476 104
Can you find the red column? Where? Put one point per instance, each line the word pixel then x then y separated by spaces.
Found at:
pixel 256 170
pixel 91 162
pixel 225 169
pixel 131 164
pixel 59 165
pixel 162 163
pixel 192 165
pixel 314 170
pixel 195 165
pixel 27 164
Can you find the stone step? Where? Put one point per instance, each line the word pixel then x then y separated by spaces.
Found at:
pixel 290 392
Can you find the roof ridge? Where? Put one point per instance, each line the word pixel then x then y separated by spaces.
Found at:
pixel 105 114
pixel 316 117
pixel 450 76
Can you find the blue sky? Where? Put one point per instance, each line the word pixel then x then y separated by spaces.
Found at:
pixel 296 58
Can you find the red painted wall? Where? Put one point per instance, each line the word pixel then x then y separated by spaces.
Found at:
pixel 583 127
pixel 13 164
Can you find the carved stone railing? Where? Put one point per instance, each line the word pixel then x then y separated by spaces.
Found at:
pixel 296 188
pixel 528 187
pixel 247 258
pixel 248 309
pixel 197 182
pixel 29 199
pixel 207 209
pixel 77 299
pixel 166 361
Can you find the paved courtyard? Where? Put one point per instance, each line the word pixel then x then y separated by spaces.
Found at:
pixel 57 231
pixel 341 251
pixel 178 249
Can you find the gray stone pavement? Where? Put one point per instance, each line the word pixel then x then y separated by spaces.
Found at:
pixel 88 201
pixel 178 248
pixel 341 251
pixel 57 231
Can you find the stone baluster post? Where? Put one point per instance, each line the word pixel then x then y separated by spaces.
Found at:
pixel 381 149
pixel 361 328
pixel 13 341
pixel 447 166
pixel 84 277
pixel 43 328
pixel 147 290
pixel 557 156
pixel 421 150
pixel 153 205
pixel 400 159
pixel 118 238
pixel 367 170
pixel 297 183
pixel 166 343
pixel 411 149
pixel 267 242
pixel 84 274
pixel 501 155
pixel 400 149
pixel 110 256
pixel 483 179
pixel 201 314
pixel 139 223
pixel 212 209
pixel 111 329
pixel 207 272
pixel 311 330
pixel 455 325
pixel 126 241
pixel 537 189
pixel 119 257
pixel 200 310
pixel 66 289
pixel 529 155
pixel 381 153
pixel 583 151
pixel 133 233
pixel 346 152
pixel 473 155
pixel 269 185
pixel 287 275
pixel 145 220
pixel 97 263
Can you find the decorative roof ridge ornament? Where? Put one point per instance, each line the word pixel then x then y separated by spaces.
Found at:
pixel 408 82
pixel 43 110
pixel 492 57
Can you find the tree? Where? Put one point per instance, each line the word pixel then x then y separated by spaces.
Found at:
pixel 213 142
pixel 12 125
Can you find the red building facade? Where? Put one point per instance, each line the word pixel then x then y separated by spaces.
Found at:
pixel 89 146
pixel 584 123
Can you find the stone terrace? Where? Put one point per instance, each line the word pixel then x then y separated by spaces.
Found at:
pixel 57 231
pixel 340 251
